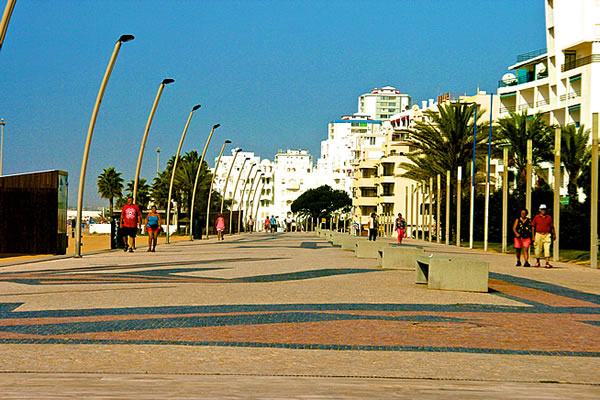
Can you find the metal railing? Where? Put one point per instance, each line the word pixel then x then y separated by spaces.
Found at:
pixel 569 96
pixel 530 55
pixel 507 109
pixel 541 103
pixel 580 62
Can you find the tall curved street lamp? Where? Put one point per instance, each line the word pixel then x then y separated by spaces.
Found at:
pixel 187 124
pixel 2 123
pixel 196 180
pixel 10 6
pixel 86 151
pixel 212 181
pixel 233 196
pixel 236 152
pixel 143 146
pixel 257 191
pixel 249 192
pixel 242 196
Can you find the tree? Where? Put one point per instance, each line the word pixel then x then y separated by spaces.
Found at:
pixel 321 202
pixel 574 154
pixel 443 141
pixel 514 130
pixel 110 186
pixel 142 197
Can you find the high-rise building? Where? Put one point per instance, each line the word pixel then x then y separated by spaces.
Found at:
pixel 381 104
pixel 560 81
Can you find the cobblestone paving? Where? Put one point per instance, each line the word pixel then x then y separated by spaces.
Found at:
pixel 290 304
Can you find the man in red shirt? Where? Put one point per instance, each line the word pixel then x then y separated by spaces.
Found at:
pixel 543 232
pixel 131 219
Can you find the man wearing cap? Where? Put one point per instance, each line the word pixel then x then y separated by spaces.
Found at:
pixel 543 232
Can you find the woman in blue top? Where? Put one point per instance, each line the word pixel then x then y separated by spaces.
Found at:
pixel 153 226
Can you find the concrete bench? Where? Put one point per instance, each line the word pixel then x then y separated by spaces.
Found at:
pixel 452 273
pixel 349 242
pixel 337 237
pixel 399 256
pixel 368 248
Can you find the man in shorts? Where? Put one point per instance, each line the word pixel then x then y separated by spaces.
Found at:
pixel 131 219
pixel 543 233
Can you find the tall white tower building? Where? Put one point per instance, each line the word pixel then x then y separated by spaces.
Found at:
pixel 382 103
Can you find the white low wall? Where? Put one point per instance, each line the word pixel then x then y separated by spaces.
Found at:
pixel 105 228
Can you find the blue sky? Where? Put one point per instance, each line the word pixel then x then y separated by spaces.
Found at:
pixel 272 73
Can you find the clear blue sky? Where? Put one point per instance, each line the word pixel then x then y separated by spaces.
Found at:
pixel 272 73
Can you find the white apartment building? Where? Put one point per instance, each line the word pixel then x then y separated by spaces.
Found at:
pixel 335 167
pixel 381 104
pixel 561 81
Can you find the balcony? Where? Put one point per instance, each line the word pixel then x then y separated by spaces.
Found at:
pixel 541 103
pixel 580 62
pixel 529 77
pixel 569 96
pixel 507 109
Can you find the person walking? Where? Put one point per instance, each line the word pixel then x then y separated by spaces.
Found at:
pixel 250 224
pixel 267 224
pixel 273 224
pixel 373 226
pixel 288 224
pixel 131 219
pixel 153 227
pixel 220 225
pixel 400 227
pixel 522 231
pixel 543 233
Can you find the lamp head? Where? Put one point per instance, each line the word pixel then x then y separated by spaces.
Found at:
pixel 167 81
pixel 216 126
pixel 238 149
pixel 197 106
pixel 227 141
pixel 126 38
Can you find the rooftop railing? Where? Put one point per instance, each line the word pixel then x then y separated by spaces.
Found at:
pixel 580 62
pixel 530 55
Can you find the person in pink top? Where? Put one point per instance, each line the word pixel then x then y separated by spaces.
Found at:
pixel 220 225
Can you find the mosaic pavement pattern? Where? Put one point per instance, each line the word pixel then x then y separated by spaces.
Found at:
pixel 553 320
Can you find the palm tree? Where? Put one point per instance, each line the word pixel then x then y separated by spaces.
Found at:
pixel 514 130
pixel 574 154
pixel 110 186
pixel 444 141
pixel 142 197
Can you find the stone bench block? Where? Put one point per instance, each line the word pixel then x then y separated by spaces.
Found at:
pixel 399 256
pixel 368 248
pixel 349 242
pixel 452 273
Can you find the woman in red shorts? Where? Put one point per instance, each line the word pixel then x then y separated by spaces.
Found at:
pixel 522 231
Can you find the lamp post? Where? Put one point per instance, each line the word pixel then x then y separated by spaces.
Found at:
pixel 143 145
pixel 447 208
pixel 594 195
pixel 248 197
pixel 2 123
pixel 458 204
pixel 472 207
pixel 236 151
pixel 10 6
pixel 196 180
pixel 157 161
pixel 187 124
pixel 86 151
pixel 504 199
pixel 556 247
pixel 257 191
pixel 487 182
pixel 233 197
pixel 242 196
pixel 212 181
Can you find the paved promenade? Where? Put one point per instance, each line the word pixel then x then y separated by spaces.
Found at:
pixel 289 316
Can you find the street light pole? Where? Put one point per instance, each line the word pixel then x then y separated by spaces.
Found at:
pixel 86 151
pixel 196 181
pixel 233 197
pixel 236 151
pixel 187 124
pixel 248 197
pixel 157 161
pixel 2 123
pixel 10 6
pixel 242 196
pixel 212 181
pixel 594 195
pixel 472 208
pixel 257 191
pixel 143 145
